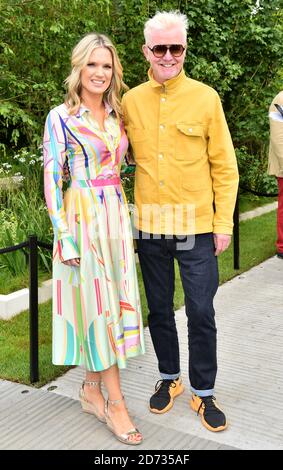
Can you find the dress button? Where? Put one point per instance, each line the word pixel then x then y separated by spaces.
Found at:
pixel 161 126
pixel 190 129
pixel 163 99
pixel 161 183
pixel 161 156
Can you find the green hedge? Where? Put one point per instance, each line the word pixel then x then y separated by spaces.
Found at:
pixel 233 47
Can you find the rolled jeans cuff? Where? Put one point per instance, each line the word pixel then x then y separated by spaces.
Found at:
pixel 169 376
pixel 203 393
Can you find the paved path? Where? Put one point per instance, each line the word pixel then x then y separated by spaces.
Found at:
pixel 249 384
pixel 258 211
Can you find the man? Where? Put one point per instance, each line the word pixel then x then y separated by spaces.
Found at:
pixel 185 192
pixel 275 161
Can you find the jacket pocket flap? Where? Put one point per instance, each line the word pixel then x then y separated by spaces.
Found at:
pixel 190 129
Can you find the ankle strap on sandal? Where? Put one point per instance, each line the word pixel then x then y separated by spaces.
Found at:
pixel 115 402
pixel 92 383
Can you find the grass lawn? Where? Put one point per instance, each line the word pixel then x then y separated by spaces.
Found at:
pixel 14 348
pixel 248 201
pixel 10 283
pixel 257 243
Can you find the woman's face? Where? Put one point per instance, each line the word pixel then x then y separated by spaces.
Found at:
pixel 96 75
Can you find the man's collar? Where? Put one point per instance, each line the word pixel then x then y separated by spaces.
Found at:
pixel 168 84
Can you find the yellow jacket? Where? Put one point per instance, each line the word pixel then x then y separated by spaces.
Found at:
pixel 275 159
pixel 184 155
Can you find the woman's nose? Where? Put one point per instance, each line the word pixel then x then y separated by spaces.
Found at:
pixel 99 72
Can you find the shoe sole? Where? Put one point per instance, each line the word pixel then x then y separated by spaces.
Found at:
pixel 170 404
pixel 205 424
pixel 102 420
pixel 86 408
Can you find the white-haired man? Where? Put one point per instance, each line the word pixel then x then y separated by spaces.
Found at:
pixel 185 192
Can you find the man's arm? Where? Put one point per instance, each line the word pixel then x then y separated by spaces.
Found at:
pixel 224 173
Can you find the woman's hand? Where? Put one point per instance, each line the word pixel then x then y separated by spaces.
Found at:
pixel 72 262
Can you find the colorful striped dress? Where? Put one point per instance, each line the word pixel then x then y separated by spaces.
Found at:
pixel 96 307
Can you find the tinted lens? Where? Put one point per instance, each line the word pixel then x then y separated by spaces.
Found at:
pixel 176 49
pixel 161 49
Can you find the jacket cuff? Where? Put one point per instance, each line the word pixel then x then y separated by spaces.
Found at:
pixel 223 229
pixel 67 249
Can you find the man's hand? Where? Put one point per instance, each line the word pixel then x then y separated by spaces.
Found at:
pixel 221 242
pixel 72 262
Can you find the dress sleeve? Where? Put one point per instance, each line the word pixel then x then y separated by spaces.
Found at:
pixel 54 152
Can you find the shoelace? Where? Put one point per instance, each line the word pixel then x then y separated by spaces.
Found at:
pixel 163 389
pixel 208 404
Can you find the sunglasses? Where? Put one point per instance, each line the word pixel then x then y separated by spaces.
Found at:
pixel 160 50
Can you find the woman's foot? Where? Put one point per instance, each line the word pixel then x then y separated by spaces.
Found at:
pixel 92 399
pixel 120 423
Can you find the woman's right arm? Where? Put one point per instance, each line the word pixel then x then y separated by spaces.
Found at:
pixel 54 152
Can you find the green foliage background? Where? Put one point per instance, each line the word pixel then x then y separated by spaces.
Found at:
pixel 232 46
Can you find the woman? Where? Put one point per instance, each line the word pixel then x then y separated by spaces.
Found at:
pixel 96 306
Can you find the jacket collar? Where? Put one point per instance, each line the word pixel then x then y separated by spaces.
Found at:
pixel 168 85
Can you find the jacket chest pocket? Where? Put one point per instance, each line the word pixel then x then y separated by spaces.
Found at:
pixel 190 141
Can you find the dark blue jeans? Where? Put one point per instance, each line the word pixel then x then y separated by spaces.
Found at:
pixel 199 274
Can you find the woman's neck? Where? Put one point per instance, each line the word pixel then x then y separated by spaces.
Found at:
pixel 96 106
pixel 94 102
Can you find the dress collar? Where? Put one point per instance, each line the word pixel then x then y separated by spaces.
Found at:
pixel 84 109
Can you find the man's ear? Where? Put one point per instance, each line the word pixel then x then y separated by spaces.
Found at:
pixel 145 51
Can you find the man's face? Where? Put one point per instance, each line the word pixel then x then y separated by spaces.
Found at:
pixel 167 66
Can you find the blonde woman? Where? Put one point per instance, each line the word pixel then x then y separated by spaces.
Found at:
pixel 97 319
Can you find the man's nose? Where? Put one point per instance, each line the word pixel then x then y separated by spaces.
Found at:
pixel 168 55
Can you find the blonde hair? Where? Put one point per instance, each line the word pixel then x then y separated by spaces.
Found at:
pixel 165 20
pixel 79 59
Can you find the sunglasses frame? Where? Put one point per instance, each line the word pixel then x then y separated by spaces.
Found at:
pixel 168 46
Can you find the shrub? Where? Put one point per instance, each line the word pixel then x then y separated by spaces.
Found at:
pixel 24 212
pixel 253 173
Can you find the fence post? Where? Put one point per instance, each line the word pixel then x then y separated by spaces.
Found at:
pixel 236 238
pixel 33 308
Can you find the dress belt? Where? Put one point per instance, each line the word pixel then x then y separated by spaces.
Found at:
pixel 94 182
